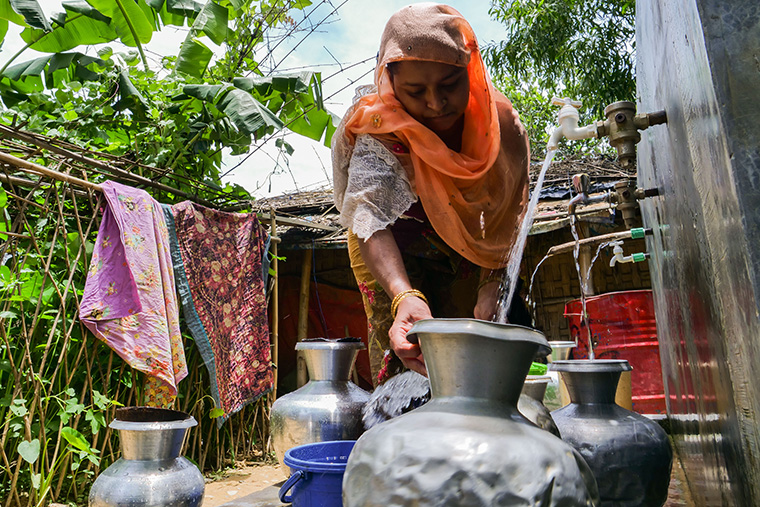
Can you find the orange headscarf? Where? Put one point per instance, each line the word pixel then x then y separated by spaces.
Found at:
pixel 473 198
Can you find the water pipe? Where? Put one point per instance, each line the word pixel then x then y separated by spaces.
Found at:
pixel 617 255
pixel 568 119
pixel 636 233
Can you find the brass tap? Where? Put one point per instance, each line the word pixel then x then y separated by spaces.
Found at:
pixel 622 127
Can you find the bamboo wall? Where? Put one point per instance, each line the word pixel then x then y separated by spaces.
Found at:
pixel 59 385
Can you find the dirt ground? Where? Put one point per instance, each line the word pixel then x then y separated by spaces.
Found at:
pixel 241 481
pixel 244 480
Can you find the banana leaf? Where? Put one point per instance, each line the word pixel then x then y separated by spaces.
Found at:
pixel 82 7
pixel 79 29
pixel 7 13
pixel 32 12
pixel 130 97
pixel 193 57
pixel 128 20
pixel 212 21
pixel 265 86
pixel 245 112
pixel 26 76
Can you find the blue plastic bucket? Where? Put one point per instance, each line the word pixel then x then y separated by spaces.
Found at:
pixel 316 478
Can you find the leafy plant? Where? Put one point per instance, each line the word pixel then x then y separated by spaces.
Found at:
pixel 169 123
pixel 583 49
pixel 179 117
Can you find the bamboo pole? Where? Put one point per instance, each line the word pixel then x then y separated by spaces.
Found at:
pixel 303 315
pixel 135 178
pixel 569 246
pixel 275 305
pixel 50 173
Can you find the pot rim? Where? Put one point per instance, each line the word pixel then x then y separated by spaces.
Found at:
pixel 153 426
pixel 482 328
pixel 151 419
pixel 329 344
pixel 562 344
pixel 591 365
pixel 292 460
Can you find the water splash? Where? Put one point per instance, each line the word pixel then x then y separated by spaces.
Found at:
pixel 583 281
pixel 532 278
pixel 512 273
pixel 529 301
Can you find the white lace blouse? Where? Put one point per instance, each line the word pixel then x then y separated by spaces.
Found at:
pixel 377 190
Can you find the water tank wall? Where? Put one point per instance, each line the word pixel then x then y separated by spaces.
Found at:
pixel 700 61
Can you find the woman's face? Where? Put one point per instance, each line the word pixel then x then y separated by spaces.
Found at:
pixel 435 94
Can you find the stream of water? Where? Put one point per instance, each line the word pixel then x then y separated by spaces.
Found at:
pixel 584 287
pixel 512 272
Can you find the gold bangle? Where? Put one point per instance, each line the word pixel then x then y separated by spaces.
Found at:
pixel 486 281
pixel 403 295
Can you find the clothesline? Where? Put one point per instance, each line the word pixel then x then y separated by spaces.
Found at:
pixel 33 168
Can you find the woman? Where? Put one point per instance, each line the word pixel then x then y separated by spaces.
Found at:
pixel 431 176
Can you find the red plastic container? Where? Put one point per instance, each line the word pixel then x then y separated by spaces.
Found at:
pixel 623 327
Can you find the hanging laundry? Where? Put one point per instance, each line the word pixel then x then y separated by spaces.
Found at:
pixel 129 298
pixel 218 266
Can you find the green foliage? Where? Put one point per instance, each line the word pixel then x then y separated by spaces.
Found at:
pixel 583 49
pixel 179 117
pixel 58 385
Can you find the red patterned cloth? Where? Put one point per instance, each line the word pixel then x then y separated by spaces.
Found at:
pixel 221 285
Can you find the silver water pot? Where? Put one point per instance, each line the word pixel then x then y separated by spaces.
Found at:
pixel 469 445
pixel 329 406
pixel 531 403
pixel 150 470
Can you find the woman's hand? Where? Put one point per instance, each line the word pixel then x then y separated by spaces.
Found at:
pixel 410 310
pixel 488 298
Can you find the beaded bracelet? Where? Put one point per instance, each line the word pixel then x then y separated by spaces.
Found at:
pixel 403 295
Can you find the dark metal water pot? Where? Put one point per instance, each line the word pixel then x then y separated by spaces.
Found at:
pixel 629 454
pixel 151 471
pixel 468 445
pixel 328 407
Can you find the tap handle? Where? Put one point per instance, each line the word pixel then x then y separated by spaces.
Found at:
pixel 581 183
pixel 566 101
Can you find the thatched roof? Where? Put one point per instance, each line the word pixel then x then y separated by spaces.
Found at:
pixel 317 207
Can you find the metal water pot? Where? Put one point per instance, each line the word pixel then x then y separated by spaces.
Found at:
pixel 150 470
pixel 329 406
pixel 468 445
pixel 531 403
pixel 629 454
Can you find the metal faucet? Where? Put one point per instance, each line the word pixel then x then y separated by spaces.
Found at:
pixel 621 126
pixel 581 183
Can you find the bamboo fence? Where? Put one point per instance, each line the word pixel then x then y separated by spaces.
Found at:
pixel 55 375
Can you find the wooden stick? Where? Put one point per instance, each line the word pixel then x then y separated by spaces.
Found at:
pixel 274 304
pixel 303 315
pixel 137 179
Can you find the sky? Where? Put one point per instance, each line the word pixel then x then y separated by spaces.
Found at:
pixel 349 33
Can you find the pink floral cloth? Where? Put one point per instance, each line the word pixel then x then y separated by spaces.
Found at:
pixel 129 298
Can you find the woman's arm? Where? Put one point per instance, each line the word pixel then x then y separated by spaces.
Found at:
pixel 488 293
pixel 383 258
